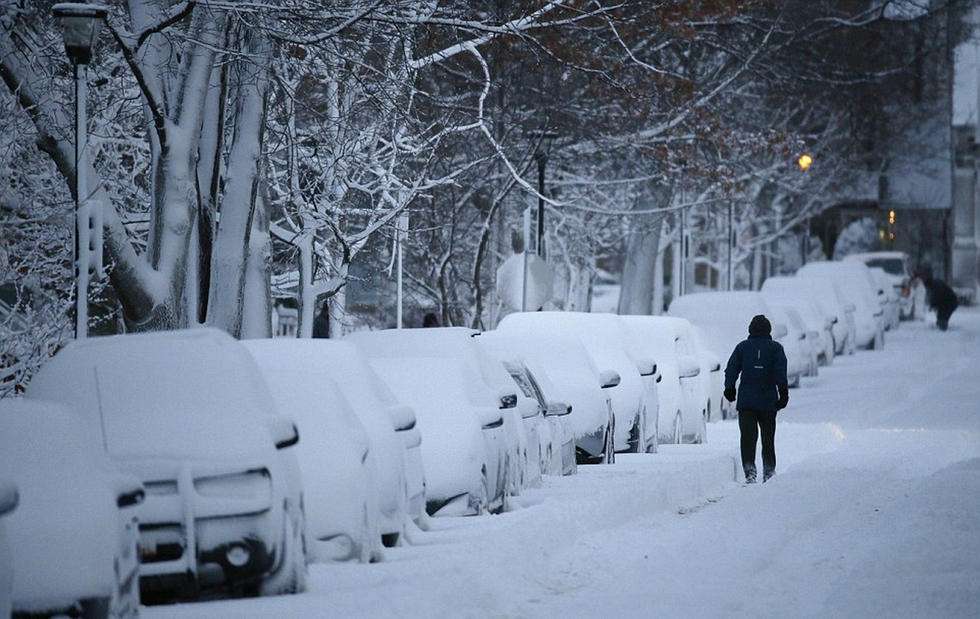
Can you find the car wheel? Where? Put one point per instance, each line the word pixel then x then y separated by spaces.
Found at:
pixel 290 577
pixel 637 441
pixel 609 449
pixel 678 429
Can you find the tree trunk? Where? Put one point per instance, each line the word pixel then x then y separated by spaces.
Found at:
pixel 636 294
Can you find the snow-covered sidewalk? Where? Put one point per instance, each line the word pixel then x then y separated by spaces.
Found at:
pixel 875 509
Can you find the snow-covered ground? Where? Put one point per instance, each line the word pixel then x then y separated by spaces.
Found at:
pixel 875 510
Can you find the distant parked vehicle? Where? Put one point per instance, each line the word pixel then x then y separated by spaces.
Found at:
pixel 893 300
pixel 898 269
pixel 73 537
pixel 549 442
pixel 683 397
pixel 189 414
pixel 345 492
pixel 800 353
pixel 375 404
pixel 634 399
pixel 575 380
pixel 467 451
pixel 8 503
pixel 855 282
pixel 820 321
pixel 723 318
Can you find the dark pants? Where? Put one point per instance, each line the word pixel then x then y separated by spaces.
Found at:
pixel 750 423
pixel 942 316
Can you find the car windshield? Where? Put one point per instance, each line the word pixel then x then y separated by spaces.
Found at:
pixel 892 266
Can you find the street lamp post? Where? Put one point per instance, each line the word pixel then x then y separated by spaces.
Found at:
pixel 80 24
pixel 545 140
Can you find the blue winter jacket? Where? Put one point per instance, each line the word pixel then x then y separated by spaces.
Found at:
pixel 761 363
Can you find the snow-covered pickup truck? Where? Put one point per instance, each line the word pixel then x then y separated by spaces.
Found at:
pixel 188 413
pixel 73 536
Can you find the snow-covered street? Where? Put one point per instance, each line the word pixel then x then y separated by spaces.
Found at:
pixel 875 509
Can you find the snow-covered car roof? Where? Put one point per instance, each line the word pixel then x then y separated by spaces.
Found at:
pixel 658 333
pixel 177 394
pixel 443 342
pixel 852 274
pixel 601 334
pixel 570 369
pixel 64 530
pixel 723 317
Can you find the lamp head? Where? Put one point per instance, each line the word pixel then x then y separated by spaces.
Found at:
pixel 80 24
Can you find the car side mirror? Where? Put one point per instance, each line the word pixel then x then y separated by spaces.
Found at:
pixel 647 367
pixel 557 409
pixel 508 400
pixel 689 367
pixel 284 432
pixel 779 331
pixel 609 379
pixel 9 498
pixel 402 416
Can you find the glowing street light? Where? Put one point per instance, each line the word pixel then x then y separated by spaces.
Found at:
pixel 805 161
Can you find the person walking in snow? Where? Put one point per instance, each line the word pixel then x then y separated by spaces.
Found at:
pixel 941 298
pixel 764 390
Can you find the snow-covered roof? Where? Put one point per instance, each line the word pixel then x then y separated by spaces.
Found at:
pixel 178 394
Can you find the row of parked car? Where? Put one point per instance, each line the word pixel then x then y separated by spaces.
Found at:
pixel 183 465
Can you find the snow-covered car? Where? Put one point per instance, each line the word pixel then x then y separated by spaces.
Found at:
pixel 833 303
pixel 712 377
pixel 723 317
pixel 855 282
pixel 634 399
pixel 460 343
pixel 682 394
pixel 893 300
pixel 897 267
pixel 8 503
pixel 466 448
pixel 799 294
pixel 549 444
pixel 800 352
pixel 188 413
pixel 576 380
pixel 347 495
pixel 376 405
pixel 73 537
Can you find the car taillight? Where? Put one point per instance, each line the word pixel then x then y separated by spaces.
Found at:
pixel 246 485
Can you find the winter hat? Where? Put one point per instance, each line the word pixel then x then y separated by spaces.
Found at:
pixel 760 326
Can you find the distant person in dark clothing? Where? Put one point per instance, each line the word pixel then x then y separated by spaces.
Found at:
pixel 321 323
pixel 430 320
pixel 763 391
pixel 941 298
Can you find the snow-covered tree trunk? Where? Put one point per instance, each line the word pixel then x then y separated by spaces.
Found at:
pixel 636 293
pixel 239 260
pixel 658 279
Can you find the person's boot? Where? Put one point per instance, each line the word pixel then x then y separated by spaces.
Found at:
pixel 767 473
pixel 749 473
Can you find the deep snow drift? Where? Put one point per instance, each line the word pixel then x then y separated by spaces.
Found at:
pixel 875 509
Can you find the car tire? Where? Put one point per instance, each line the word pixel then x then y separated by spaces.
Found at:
pixel 637 441
pixel 291 575
pixel 678 436
pixel 702 436
pixel 609 448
